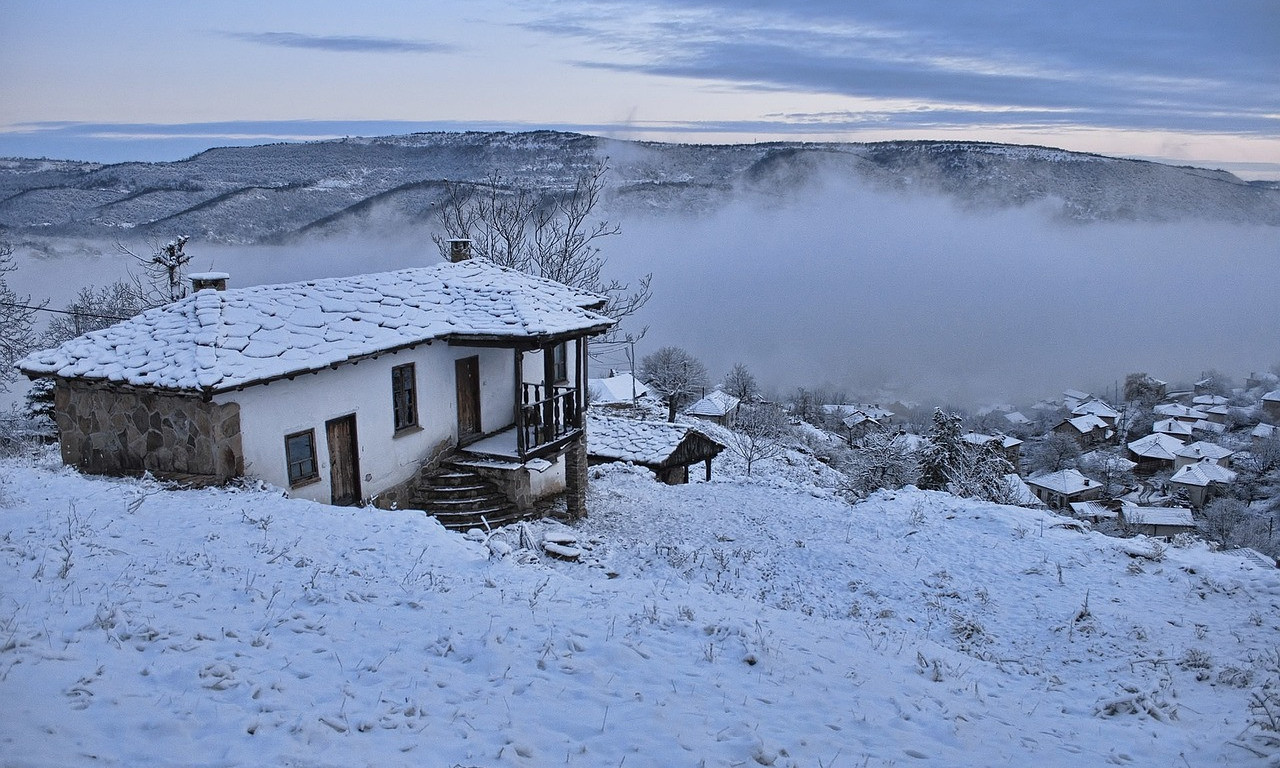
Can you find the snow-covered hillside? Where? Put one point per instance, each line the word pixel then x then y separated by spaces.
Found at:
pixel 737 622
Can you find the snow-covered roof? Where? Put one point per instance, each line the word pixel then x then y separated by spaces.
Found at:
pixel 1087 423
pixel 1067 482
pixel 1178 411
pixel 1209 400
pixel 1209 426
pixel 977 438
pixel 1097 408
pixel 844 410
pixel 643 442
pixel 1202 473
pixel 1172 427
pixel 714 405
pixel 216 341
pixel 1136 515
pixel 1075 394
pixel 1016 417
pixel 1157 446
pixel 1264 431
pixel 1273 396
pixel 1203 450
pixel 617 388
pixel 1092 510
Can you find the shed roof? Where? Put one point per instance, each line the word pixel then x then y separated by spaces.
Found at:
pixel 617 388
pixel 650 443
pixel 1136 515
pixel 216 341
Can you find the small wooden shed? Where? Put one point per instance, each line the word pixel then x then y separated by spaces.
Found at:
pixel 667 449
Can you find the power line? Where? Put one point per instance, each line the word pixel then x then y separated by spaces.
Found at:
pixel 61 311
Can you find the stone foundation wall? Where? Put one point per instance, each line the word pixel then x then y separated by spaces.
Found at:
pixel 400 495
pixel 111 431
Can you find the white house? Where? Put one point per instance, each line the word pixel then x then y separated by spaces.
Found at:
pixel 717 406
pixel 338 390
pixel 616 389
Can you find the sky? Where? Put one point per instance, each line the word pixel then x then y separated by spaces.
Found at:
pixel 1178 81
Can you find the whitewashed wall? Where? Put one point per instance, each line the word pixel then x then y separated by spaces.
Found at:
pixel 269 412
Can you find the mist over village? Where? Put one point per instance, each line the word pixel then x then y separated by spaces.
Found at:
pixel 685 383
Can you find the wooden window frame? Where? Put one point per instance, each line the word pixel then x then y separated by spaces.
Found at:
pixel 296 467
pixel 560 362
pixel 404 399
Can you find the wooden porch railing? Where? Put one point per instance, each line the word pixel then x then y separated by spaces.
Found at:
pixel 546 415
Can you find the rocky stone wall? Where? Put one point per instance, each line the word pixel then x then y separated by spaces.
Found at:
pixel 105 430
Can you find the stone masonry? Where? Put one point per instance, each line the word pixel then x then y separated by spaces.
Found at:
pixel 105 430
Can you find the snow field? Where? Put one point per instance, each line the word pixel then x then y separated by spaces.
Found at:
pixel 760 622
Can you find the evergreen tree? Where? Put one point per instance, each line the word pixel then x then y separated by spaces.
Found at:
pixel 945 452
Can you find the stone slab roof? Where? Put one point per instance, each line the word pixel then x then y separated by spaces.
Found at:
pixel 1202 474
pixel 715 404
pixel 1067 482
pixel 215 341
pixel 1157 446
pixel 650 443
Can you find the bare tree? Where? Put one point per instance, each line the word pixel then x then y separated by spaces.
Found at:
pixel 1051 453
pixel 94 309
pixel 881 460
pixel 758 433
pixel 17 321
pixel 165 270
pixel 675 375
pixel 551 235
pixel 740 383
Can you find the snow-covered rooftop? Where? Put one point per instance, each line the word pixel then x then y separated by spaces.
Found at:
pixel 1202 473
pixel 1092 510
pixel 714 405
pixel 1172 427
pixel 1087 423
pixel 1203 450
pixel 1066 482
pixel 1157 446
pixel 221 340
pixel 1209 400
pixel 1097 408
pixel 642 442
pixel 1016 417
pixel 1264 431
pixel 1178 411
pixel 1273 396
pixel 1136 515
pixel 618 388
pixel 977 438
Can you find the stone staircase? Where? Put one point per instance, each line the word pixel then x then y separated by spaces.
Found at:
pixel 461 499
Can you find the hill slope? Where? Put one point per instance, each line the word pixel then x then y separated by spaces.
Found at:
pixel 276 192
pixel 726 623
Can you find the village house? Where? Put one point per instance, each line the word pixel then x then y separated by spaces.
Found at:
pixel 1161 522
pixel 1154 453
pixel 1271 404
pixel 1009 447
pixel 1264 432
pixel 1097 408
pixel 717 406
pixel 342 390
pixel 1202 481
pixel 1088 431
pixel 1058 490
pixel 1180 430
pixel 1180 412
pixel 1201 451
pixel 616 389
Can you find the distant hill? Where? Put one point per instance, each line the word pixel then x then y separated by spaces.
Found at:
pixel 278 192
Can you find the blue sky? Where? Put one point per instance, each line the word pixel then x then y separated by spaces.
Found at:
pixel 1181 81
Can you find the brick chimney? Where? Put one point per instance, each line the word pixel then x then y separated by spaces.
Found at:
pixel 215 280
pixel 459 249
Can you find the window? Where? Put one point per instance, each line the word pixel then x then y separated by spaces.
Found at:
pixel 560 361
pixel 404 396
pixel 300 454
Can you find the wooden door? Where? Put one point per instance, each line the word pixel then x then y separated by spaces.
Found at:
pixel 344 460
pixel 467 373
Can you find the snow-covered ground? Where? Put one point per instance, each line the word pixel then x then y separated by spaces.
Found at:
pixel 758 621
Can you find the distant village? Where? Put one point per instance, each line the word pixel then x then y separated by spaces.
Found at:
pixel 1203 460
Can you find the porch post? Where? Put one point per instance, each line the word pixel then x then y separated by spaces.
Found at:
pixel 575 477
pixel 518 403
pixel 580 380
pixel 549 401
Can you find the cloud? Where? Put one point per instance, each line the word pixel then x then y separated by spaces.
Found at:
pixel 1183 66
pixel 342 43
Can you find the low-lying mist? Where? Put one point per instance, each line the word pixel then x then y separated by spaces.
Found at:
pixel 875 295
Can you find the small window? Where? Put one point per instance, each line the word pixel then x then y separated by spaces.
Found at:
pixel 404 396
pixel 560 361
pixel 300 453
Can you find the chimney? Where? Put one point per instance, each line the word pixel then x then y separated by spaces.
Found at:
pixel 202 280
pixel 459 249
